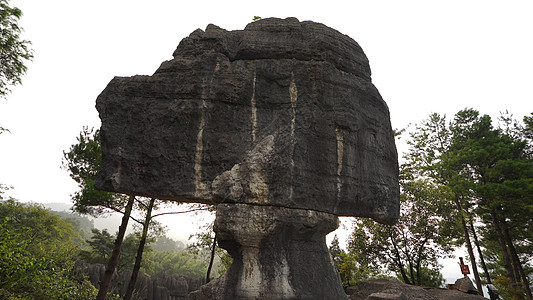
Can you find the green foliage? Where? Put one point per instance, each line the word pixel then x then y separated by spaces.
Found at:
pixel 83 162
pixel 129 251
pixel 202 248
pixel 336 252
pixel 81 224
pixel 488 173
pixel 49 232
pixel 412 246
pixel 181 263
pixel 164 243
pixel 506 289
pixel 225 262
pixel 352 266
pixel 14 51
pixel 37 255
pixel 100 247
pixel 256 18
pixel 101 244
pixel 3 188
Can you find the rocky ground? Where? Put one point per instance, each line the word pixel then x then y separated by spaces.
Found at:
pixel 382 289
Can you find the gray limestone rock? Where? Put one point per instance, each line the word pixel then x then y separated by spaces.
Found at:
pixel 279 253
pixel 387 296
pixel 278 124
pixel 465 285
pixel 168 287
pixel 395 289
pixel 282 113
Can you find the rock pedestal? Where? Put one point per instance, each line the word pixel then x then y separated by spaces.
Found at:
pixel 279 253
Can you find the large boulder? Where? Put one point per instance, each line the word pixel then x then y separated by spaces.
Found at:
pixel 282 113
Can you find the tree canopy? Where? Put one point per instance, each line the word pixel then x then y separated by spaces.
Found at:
pixel 37 254
pixel 14 51
pixel 465 181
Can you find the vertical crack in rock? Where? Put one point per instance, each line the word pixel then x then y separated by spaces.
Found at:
pixel 340 157
pixel 201 188
pixel 293 92
pixel 199 184
pixel 254 110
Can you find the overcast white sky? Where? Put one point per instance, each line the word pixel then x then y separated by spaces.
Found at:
pixel 426 56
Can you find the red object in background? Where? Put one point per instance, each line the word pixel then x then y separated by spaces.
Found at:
pixel 465 270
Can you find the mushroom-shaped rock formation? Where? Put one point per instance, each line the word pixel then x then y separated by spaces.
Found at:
pixel 275 120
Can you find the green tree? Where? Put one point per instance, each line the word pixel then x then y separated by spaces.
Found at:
pixel 83 161
pixel 181 263
pixel 488 173
pixel 100 246
pixel 203 249
pixel 336 252
pixel 140 250
pixel 3 189
pixel 14 51
pixel 164 243
pixel 37 254
pixel 80 223
pixel 496 167
pixel 429 142
pixel 410 248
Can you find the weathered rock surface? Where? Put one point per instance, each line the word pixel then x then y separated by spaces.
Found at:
pixel 279 253
pixel 278 124
pixel 94 272
pixel 159 286
pixel 465 285
pixel 282 113
pixel 383 289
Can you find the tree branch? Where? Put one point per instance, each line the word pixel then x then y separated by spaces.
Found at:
pixel 180 212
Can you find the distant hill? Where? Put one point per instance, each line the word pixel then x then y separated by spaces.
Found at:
pixel 109 222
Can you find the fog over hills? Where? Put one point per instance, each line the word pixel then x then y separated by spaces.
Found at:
pixel 179 227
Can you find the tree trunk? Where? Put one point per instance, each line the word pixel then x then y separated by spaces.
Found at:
pixel 399 262
pixel 419 261
pixel 411 269
pixel 113 260
pixel 207 279
pixel 418 273
pixel 517 266
pixel 480 253
pixel 140 250
pixel 503 246
pixel 469 247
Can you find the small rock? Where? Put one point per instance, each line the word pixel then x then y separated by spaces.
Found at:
pixel 386 296
pixel 465 285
